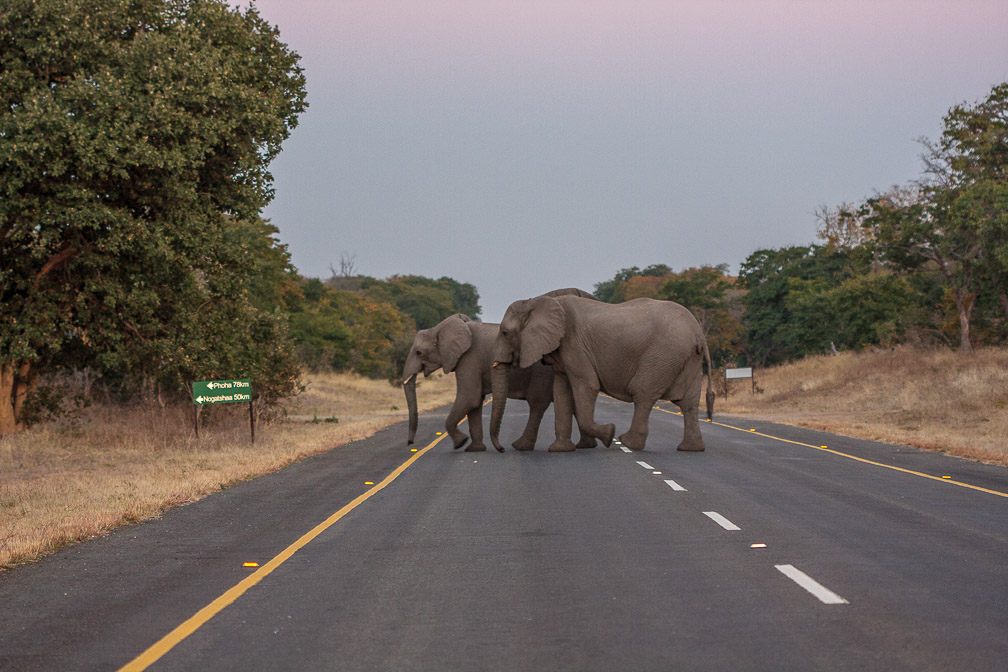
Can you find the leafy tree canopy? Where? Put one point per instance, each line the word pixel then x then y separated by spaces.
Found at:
pixel 135 137
pixel 425 300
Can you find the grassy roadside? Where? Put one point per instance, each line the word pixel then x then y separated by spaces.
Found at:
pixel 61 483
pixel 936 400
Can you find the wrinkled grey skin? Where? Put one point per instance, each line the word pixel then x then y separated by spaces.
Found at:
pixel 465 347
pixel 639 351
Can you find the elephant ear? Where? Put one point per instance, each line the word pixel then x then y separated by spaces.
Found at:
pixel 453 340
pixel 544 327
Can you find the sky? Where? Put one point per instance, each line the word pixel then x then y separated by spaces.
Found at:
pixel 529 145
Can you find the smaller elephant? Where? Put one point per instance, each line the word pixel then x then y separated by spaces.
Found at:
pixel 464 346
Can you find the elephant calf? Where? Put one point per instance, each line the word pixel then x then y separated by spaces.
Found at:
pixel 461 345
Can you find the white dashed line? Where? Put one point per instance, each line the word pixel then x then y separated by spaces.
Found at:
pixel 824 595
pixel 624 449
pixel 645 465
pixel 675 486
pixel 721 520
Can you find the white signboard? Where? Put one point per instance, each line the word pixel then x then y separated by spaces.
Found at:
pixel 738 373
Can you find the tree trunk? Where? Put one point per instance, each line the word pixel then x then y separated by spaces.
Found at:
pixel 964 304
pixel 8 419
pixel 499 389
pixel 22 384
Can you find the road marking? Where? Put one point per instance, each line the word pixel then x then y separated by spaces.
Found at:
pixel 721 520
pixel 645 465
pixel 824 594
pixel 824 449
pixel 675 486
pixel 625 449
pixel 168 642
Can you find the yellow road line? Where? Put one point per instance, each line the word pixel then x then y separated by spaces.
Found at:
pixel 854 457
pixel 166 643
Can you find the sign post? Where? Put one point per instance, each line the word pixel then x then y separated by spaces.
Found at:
pixel 223 392
pixel 732 374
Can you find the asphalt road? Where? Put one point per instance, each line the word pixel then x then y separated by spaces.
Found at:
pixel 761 553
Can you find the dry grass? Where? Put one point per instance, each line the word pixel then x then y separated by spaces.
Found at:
pixel 936 400
pixel 63 483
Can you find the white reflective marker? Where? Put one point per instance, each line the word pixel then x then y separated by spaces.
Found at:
pixel 675 486
pixel 721 520
pixel 822 593
pixel 645 465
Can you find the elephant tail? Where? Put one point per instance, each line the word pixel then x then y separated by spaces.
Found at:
pixel 710 381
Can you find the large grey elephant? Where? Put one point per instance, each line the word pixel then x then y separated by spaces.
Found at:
pixel 461 345
pixel 639 351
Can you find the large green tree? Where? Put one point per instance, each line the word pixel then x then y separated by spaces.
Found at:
pixel 135 135
pixel 956 219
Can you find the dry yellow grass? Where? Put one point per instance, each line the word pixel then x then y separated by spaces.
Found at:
pixel 63 483
pixel 936 400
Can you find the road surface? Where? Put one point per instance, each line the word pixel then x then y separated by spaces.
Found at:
pixel 776 549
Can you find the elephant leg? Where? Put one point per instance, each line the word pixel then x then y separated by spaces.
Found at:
pixel 587 440
pixel 584 406
pixel 563 410
pixel 476 430
pixel 528 438
pixel 692 440
pixel 636 437
pixel 455 415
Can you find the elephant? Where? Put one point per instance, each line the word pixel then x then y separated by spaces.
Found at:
pixel 464 346
pixel 639 351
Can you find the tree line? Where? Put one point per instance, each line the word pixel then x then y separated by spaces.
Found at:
pixel 923 263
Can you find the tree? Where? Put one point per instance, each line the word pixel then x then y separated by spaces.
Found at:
pixel 930 224
pixel 956 219
pixel 712 297
pixel 614 291
pixel 975 142
pixel 774 333
pixel 133 135
pixel 425 300
pixel 841 226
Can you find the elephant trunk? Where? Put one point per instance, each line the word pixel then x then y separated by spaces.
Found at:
pixel 499 389
pixel 409 387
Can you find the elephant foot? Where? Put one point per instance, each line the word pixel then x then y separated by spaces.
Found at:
pixel 633 441
pixel 460 440
pixel 606 435
pixel 562 446
pixel 691 446
pixel 586 442
pixel 523 445
pixel 476 448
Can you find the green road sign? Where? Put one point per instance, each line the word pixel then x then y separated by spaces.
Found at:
pixel 221 391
